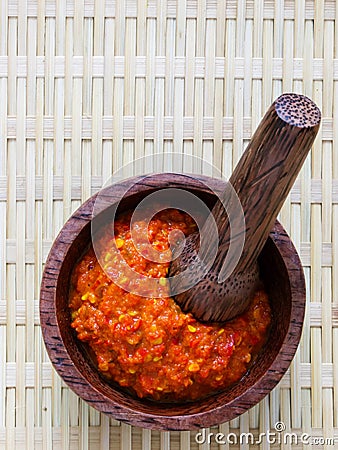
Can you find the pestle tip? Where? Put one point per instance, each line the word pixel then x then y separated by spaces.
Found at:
pixel 298 110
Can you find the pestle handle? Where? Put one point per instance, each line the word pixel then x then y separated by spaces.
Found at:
pixel 261 180
pixel 266 172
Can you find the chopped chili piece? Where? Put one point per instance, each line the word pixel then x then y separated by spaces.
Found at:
pixel 148 344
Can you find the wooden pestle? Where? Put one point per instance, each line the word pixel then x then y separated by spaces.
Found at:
pixel 262 180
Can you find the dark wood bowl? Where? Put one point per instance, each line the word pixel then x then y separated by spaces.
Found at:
pixel 282 275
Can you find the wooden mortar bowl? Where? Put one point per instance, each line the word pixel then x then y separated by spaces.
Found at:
pixel 282 275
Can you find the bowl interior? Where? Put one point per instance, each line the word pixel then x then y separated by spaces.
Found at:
pixel 259 380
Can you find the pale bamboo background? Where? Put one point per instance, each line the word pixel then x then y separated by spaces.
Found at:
pixel 87 86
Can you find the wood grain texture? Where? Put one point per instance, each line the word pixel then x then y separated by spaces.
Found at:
pixel 262 181
pixel 283 277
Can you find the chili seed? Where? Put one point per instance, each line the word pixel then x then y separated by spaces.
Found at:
pixel 119 242
pixel 163 281
pixel 194 367
pixel 247 358
pixel 104 366
pixel 107 257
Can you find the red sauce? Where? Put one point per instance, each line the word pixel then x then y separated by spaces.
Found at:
pixel 148 344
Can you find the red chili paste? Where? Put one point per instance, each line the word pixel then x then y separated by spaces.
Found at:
pixel 148 344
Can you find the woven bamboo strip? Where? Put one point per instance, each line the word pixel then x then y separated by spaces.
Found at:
pixel 146 439
pixel 77 97
pixel 3 27
pixel 94 417
pixel 47 438
pixel 188 147
pixel 140 95
pixel 165 440
pixel 23 183
pixel 37 378
pixel 286 416
pixel 74 407
pixel 46 408
pixel 152 11
pixel 335 376
pixel 154 85
pixel 129 88
pixel 248 70
pixel 244 429
pixel 224 429
pixel 117 131
pixel 87 92
pixel 238 119
pixel 30 184
pixel 228 93
pixel 264 422
pixel 56 399
pixel 257 43
pixel 10 418
pixel 97 92
pixel 3 385
pixel 150 52
pixel 316 279
pixel 327 416
pixel 128 127
pixel 179 85
pixel 44 376
pixel 65 426
pixel 169 89
pixel 316 336
pixel 274 404
pixel 20 390
pixel 3 169
pixel 98 66
pixel 29 420
pixel 185 440
pixel 219 89
pixel 295 395
pixel 104 433
pixel 305 215
pixel 83 426
pixel 267 79
pixel 210 99
pixel 327 229
pixel 235 423
pixel 20 111
pixel 335 245
pixel 289 48
pixel 11 223
pixel 335 299
pixel 126 442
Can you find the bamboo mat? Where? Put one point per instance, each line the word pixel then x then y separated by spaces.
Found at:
pixel 88 86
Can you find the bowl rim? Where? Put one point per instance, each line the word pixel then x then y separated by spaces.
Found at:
pixel 63 362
